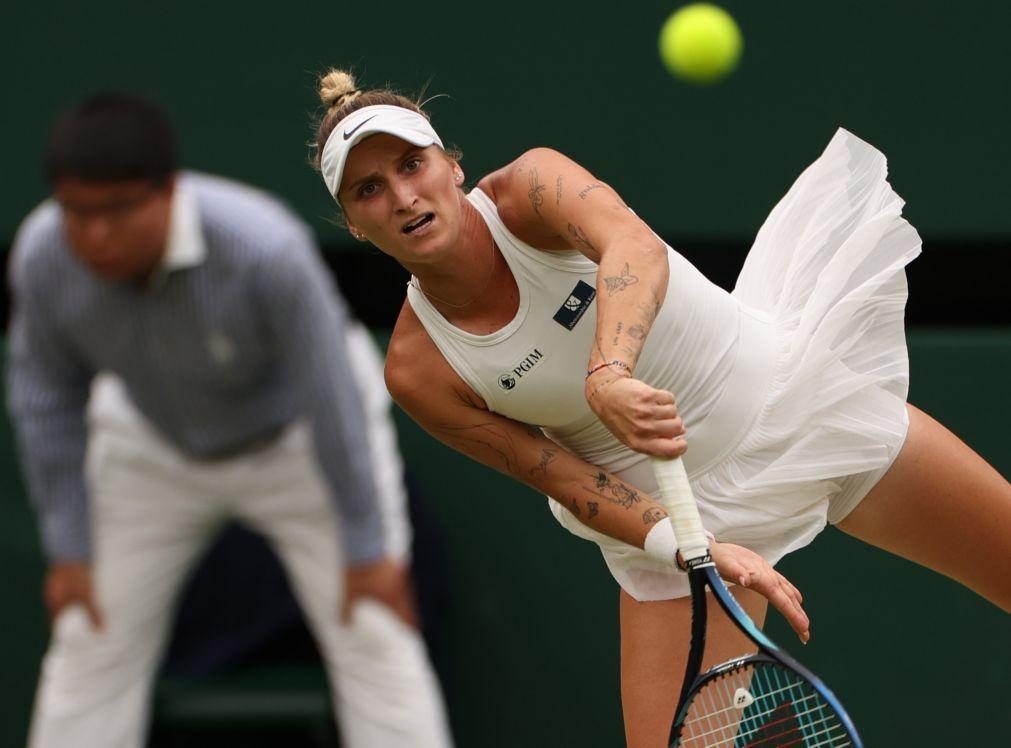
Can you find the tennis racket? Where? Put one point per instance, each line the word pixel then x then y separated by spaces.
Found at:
pixel 763 700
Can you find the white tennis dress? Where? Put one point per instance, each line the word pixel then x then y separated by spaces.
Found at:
pixel 792 388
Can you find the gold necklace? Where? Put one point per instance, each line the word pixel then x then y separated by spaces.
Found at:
pixel 491 271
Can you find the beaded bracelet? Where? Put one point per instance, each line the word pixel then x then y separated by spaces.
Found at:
pixel 615 362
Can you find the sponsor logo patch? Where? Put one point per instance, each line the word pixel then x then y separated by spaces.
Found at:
pixel 574 307
pixel 507 380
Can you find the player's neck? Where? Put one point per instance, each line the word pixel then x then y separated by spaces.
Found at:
pixel 463 278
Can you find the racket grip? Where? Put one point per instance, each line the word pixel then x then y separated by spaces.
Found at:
pixel 677 496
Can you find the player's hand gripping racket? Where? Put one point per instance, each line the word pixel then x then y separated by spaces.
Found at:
pixel 761 700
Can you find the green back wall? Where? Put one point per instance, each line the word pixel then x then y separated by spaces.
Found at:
pixel 927 82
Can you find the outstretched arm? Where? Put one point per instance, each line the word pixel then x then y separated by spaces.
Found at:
pixel 450 411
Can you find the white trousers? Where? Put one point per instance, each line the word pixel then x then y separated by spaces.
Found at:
pixel 153 513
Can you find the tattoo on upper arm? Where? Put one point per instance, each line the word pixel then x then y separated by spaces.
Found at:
pixel 653 515
pixel 613 491
pixel 594 509
pixel 616 284
pixel 580 238
pixel 536 188
pixel 558 190
pixel 588 189
pixel 547 455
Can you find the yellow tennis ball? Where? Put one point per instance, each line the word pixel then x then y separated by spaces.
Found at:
pixel 700 43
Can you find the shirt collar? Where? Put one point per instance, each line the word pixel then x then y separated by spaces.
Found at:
pixel 185 246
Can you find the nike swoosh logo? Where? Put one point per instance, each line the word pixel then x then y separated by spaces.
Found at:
pixel 353 130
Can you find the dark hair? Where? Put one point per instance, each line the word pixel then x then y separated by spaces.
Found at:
pixel 112 137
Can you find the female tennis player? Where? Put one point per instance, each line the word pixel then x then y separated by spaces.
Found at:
pixel 546 328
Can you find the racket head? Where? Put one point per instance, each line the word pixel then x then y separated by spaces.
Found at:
pixel 763 700
pixel 760 701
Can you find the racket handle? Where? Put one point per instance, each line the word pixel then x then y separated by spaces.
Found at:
pixel 677 496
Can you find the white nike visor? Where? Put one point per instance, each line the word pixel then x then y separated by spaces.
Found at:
pixel 370 120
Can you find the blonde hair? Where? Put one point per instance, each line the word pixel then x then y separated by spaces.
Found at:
pixel 336 88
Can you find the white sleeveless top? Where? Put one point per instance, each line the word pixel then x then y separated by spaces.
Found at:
pixel 715 355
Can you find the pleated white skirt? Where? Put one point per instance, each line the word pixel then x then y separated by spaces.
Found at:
pixel 827 275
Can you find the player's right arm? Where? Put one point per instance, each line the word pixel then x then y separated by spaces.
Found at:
pixel 432 393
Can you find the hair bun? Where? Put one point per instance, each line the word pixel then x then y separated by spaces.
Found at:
pixel 336 88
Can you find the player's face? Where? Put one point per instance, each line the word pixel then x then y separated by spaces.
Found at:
pixel 118 229
pixel 402 198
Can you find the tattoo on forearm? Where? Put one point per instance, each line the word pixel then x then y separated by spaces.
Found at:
pixel 615 492
pixel 536 188
pixel 575 509
pixel 637 333
pixel 588 189
pixel 617 334
pixel 485 442
pixel 558 190
pixel 653 515
pixel 580 238
pixel 547 455
pixel 615 284
pixel 594 509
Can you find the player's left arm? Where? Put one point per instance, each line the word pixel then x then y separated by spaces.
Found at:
pixel 545 191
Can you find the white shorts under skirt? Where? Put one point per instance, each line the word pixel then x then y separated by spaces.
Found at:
pixel 828 270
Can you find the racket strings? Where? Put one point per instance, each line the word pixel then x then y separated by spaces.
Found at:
pixel 760 705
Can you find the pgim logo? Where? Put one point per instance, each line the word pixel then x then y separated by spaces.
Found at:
pixel 508 380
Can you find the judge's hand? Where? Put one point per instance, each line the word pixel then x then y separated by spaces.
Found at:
pixel 385 581
pixel 69 583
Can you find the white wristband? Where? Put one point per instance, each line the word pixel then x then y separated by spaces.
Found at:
pixel 661 543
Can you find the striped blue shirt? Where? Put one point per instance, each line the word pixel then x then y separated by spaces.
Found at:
pixel 239 333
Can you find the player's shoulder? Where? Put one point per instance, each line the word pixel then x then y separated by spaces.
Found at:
pixel 525 190
pixel 418 376
pixel 523 172
pixel 409 351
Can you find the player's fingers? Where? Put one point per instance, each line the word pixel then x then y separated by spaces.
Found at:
pixel 669 428
pixel 793 613
pixel 663 446
pixel 793 590
pixel 663 397
pixel 661 413
pixel 795 594
pixel 773 586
